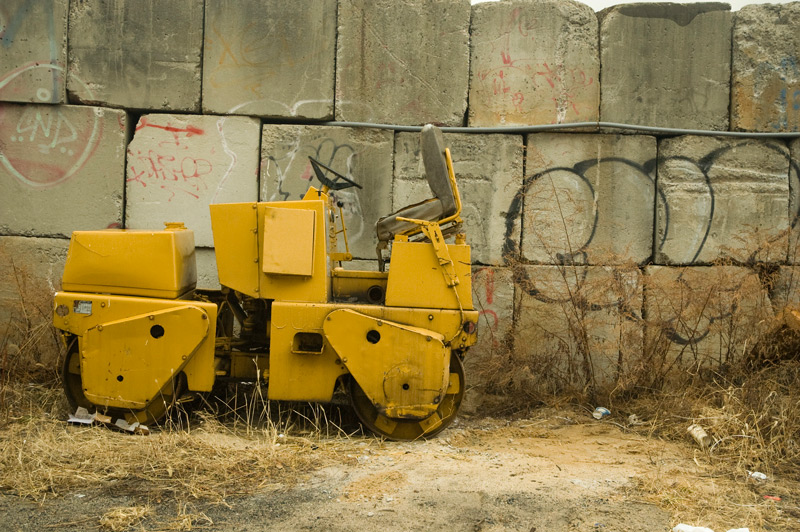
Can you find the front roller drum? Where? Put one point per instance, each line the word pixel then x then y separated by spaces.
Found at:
pixel 407 429
pixel 153 414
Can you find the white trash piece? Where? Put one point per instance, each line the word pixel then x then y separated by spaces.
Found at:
pixel 601 412
pixel 757 475
pixel 689 528
pixel 700 436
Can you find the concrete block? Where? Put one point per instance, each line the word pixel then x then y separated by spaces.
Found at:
pixel 207 275
pixel 180 164
pixel 721 198
pixel 403 62
pixel 273 59
pixel 61 168
pixel 30 273
pixel 794 201
pixel 488 170
pixel 364 155
pixel 577 327
pixel 589 199
pixel 533 63
pixel 33 44
pixel 701 317
pixel 137 54
pixel 765 82
pixel 666 65
pixel 485 362
pixel 785 289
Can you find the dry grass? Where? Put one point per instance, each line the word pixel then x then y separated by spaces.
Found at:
pixel 40 456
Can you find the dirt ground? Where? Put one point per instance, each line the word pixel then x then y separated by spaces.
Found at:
pixel 560 471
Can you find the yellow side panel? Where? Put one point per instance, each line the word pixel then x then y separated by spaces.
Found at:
pixel 403 370
pixel 78 313
pixel 235 227
pixel 138 263
pixel 288 241
pixel 294 376
pixel 280 287
pixel 415 279
pixel 311 377
pixel 126 363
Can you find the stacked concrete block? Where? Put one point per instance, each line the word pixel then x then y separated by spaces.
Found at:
pixel 588 199
pixel 273 59
pixel 136 54
pixel 666 65
pixel 765 82
pixel 207 274
pixel 403 62
pixel 363 155
pixel 33 45
pixel 61 168
pixel 794 202
pixel 488 169
pixel 179 164
pixel 721 198
pixel 533 63
pixel 702 317
pixel 30 272
pixel 493 296
pixel 578 326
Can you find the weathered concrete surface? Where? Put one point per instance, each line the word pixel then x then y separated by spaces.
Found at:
pixel 61 168
pixel 489 173
pixel 33 47
pixel 701 317
pixel 794 202
pixel 403 62
pixel 273 59
pixel 589 199
pixel 30 272
pixel 180 164
pixel 666 64
pixel 363 155
pixel 493 296
pixel 721 199
pixel 533 63
pixel 142 54
pixel 577 326
pixel 207 275
pixel 765 83
pixel 785 289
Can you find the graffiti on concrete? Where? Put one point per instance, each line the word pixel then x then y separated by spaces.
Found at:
pixel 170 164
pixel 293 176
pixel 44 146
pixel 578 255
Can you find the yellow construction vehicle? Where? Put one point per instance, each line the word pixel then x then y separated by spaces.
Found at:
pixel 140 337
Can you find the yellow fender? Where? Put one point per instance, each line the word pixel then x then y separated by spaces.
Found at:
pixel 403 370
pixel 125 363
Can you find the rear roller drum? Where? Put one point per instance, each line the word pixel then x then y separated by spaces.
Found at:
pixel 407 429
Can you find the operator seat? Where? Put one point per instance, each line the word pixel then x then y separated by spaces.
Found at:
pixel 441 206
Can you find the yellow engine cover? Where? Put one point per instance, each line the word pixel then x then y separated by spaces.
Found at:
pixel 126 363
pixel 403 370
pixel 112 261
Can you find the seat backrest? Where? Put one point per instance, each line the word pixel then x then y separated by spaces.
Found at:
pixel 435 161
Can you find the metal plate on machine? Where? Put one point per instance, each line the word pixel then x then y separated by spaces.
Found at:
pixel 82 307
pixel 288 241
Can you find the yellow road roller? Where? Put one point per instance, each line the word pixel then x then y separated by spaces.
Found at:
pixel 140 337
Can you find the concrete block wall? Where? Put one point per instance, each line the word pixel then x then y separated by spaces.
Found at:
pixel 116 113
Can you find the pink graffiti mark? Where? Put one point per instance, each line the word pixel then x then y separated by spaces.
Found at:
pixel 177 132
pixel 168 172
pixel 506 78
pixel 44 146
